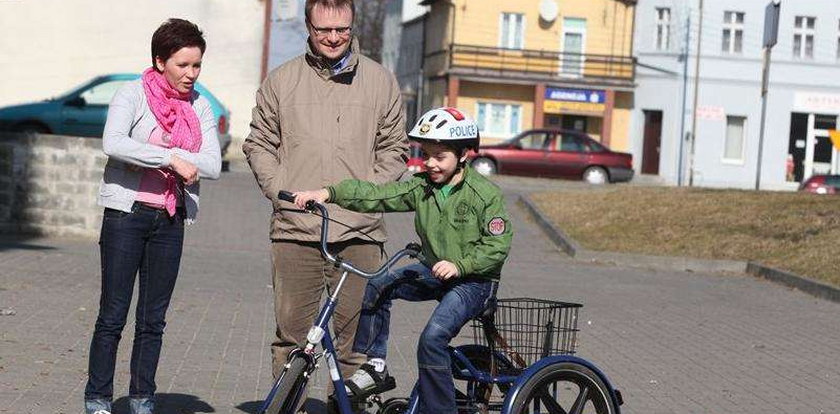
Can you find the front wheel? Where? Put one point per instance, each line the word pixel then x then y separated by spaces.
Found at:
pixel 394 406
pixel 284 397
pixel 596 175
pixel 484 166
pixel 565 387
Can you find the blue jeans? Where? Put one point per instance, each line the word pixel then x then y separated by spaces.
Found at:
pixel 149 241
pixel 460 300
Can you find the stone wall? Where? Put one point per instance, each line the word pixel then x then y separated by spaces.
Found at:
pixel 48 184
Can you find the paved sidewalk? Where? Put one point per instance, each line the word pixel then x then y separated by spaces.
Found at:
pixel 674 342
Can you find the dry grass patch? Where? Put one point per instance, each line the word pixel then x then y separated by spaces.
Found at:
pixel 791 231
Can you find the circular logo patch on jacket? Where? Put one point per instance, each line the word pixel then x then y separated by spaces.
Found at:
pixel 496 226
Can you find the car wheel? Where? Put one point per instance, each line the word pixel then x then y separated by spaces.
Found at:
pixel 596 175
pixel 484 166
pixel 32 128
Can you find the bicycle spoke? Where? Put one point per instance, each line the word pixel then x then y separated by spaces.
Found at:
pixel 549 401
pixel 580 401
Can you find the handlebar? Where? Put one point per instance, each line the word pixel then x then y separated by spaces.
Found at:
pixel 411 250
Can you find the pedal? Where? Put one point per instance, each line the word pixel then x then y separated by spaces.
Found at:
pixel 387 385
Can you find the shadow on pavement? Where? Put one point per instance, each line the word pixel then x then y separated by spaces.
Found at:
pixel 21 242
pixel 311 406
pixel 171 403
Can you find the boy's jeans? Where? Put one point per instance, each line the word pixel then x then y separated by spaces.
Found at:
pixel 460 300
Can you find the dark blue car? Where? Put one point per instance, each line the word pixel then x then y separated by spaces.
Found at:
pixel 82 111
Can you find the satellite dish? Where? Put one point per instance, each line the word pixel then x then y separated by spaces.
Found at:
pixel 548 10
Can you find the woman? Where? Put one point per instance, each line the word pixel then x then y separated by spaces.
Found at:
pixel 160 136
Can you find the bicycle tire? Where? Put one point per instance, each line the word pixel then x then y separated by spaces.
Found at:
pixel 284 399
pixel 543 390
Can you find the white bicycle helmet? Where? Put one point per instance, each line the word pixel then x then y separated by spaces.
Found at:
pixel 446 126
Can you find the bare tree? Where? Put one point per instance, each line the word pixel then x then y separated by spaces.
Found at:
pixel 368 26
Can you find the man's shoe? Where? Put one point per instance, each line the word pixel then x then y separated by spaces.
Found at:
pixel 98 406
pixel 142 405
pixel 367 381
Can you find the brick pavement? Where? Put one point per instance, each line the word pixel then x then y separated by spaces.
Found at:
pixel 674 342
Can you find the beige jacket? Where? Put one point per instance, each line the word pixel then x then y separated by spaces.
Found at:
pixel 311 128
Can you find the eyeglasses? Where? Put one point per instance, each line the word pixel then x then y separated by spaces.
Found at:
pixel 325 31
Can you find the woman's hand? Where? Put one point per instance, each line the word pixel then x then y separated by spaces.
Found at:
pixel 187 170
pixel 318 196
pixel 444 270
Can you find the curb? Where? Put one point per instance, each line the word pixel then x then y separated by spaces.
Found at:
pixel 574 250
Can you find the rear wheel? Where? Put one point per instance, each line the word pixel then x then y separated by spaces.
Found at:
pixel 484 166
pixel 596 175
pixel 286 392
pixel 564 388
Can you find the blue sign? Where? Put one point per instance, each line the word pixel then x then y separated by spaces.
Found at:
pixel 576 95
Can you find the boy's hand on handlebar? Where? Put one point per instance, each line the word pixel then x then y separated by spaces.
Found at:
pixel 444 270
pixel 318 196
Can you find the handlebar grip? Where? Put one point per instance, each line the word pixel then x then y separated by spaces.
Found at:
pixel 416 251
pixel 286 196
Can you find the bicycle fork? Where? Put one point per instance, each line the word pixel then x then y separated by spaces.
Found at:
pixel 319 333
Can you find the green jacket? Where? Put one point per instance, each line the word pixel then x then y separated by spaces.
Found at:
pixel 471 228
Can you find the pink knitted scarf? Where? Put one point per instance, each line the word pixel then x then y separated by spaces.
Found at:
pixel 175 114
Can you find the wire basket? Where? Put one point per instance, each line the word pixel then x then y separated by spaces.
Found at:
pixel 527 329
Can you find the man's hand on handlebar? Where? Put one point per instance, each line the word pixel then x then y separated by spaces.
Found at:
pixel 318 196
pixel 444 270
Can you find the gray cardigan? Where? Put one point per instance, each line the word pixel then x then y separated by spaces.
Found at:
pixel 128 127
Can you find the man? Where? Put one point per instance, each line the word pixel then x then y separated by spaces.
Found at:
pixel 324 116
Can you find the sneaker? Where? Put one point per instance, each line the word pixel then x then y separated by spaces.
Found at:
pixel 367 381
pixel 98 406
pixel 142 405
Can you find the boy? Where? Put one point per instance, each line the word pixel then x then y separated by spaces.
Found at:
pixel 465 233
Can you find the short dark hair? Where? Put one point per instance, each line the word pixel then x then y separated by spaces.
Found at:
pixel 173 35
pixel 329 4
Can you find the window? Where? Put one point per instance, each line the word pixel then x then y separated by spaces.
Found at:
pixel 499 120
pixel 102 93
pixel 534 141
pixel 734 146
pixel 838 40
pixel 733 32
pixel 512 30
pixel 574 47
pixel 803 37
pixel 663 29
pixel 568 142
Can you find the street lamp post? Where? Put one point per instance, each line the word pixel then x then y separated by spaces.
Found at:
pixel 771 32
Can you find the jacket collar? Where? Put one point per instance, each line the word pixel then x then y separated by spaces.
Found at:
pixel 323 67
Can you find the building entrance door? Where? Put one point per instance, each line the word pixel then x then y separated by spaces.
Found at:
pixel 820 155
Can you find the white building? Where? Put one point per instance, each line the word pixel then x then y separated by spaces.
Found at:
pixel 50 46
pixel 803 100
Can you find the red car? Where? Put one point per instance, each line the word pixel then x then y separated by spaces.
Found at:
pixel 821 184
pixel 554 153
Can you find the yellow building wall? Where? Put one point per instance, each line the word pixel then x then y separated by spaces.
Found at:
pixel 620 138
pixel 609 24
pixel 471 93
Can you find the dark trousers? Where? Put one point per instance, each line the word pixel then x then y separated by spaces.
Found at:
pixel 459 300
pixel 149 241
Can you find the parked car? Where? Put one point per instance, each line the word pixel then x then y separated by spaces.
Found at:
pixel 554 153
pixel 415 162
pixel 821 184
pixel 82 110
